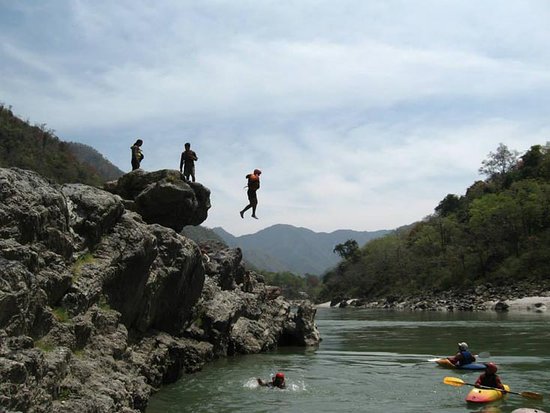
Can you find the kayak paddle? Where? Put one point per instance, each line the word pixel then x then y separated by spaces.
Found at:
pixel 483 355
pixel 455 381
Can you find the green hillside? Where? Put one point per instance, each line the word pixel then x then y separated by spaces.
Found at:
pixel 498 233
pixel 37 148
pixel 91 157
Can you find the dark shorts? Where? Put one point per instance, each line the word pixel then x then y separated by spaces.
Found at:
pixel 188 170
pixel 252 196
pixel 135 164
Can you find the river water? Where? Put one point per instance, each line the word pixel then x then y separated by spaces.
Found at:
pixel 376 361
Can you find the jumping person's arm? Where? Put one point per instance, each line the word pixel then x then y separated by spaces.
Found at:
pixel 182 160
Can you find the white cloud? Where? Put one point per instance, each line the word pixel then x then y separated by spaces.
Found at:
pixel 362 115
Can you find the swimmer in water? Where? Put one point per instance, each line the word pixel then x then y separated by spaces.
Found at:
pixel 276 381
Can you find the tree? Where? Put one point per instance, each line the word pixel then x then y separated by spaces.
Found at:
pixel 347 250
pixel 449 204
pixel 499 163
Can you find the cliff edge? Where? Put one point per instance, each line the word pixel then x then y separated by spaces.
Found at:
pixel 102 301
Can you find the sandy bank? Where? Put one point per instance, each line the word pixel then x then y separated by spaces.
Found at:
pixel 538 304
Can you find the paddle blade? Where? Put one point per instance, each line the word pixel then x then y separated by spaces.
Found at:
pixel 454 381
pixel 531 395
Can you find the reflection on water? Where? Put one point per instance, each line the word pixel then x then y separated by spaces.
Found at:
pixel 375 361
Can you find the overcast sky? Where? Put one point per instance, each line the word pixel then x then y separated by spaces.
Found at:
pixel 361 114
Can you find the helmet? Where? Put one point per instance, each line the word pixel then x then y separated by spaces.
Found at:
pixel 257 172
pixel 463 346
pixel 491 368
pixel 280 376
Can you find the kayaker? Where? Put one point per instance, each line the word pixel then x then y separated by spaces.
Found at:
pixel 276 381
pixel 463 357
pixel 490 378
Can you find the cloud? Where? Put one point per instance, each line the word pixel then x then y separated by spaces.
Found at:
pixel 363 115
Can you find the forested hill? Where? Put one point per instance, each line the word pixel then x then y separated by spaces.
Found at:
pixel 498 233
pixel 88 155
pixel 37 148
pixel 299 250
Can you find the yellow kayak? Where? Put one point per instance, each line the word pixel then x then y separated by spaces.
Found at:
pixel 485 395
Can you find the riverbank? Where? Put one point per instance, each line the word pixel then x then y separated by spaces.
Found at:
pixel 522 297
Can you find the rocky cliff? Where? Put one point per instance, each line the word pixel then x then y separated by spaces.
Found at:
pixel 102 301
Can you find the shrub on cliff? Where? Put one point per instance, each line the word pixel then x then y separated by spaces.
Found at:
pixel 37 148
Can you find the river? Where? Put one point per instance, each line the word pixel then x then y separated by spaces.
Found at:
pixel 376 361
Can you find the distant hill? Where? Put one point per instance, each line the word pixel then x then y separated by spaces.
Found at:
pixel 299 250
pixel 89 156
pixel 201 234
pixel 36 148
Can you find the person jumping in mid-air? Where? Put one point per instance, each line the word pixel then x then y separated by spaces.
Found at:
pixel 137 154
pixel 276 381
pixel 187 162
pixel 253 185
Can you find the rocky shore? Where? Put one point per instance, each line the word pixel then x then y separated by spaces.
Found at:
pixel 520 297
pixel 102 301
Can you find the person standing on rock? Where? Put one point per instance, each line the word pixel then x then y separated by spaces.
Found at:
pixel 137 154
pixel 253 185
pixel 187 162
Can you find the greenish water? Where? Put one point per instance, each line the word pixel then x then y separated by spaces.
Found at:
pixel 376 361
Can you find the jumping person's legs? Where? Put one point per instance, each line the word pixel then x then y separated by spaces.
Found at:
pixel 253 202
pixel 254 205
pixel 246 208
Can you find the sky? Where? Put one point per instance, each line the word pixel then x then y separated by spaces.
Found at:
pixel 361 114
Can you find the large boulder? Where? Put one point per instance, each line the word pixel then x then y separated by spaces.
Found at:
pixel 163 197
pixel 239 314
pixel 32 210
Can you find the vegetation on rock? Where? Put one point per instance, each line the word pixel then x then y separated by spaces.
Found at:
pixel 38 149
pixel 498 232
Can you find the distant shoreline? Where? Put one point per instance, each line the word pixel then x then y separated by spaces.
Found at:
pixel 536 304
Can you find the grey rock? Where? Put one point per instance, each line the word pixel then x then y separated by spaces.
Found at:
pixel 162 197
pixel 92 212
pixel 100 305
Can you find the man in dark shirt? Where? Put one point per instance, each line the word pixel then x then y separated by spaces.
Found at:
pixel 187 162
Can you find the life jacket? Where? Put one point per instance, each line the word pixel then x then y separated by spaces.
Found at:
pixel 136 152
pixel 189 156
pixel 253 181
pixel 467 358
pixel 489 380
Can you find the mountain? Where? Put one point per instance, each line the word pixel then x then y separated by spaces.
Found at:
pixel 299 250
pixel 25 146
pixel 89 156
pixel 201 234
